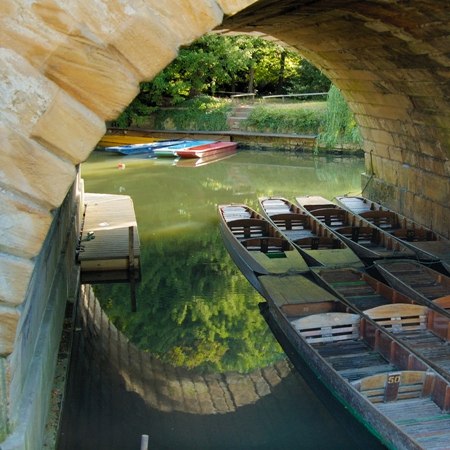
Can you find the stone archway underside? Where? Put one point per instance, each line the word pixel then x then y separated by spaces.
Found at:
pixel 69 66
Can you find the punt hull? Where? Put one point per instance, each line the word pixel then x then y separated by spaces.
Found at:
pixel 322 248
pixel 383 428
pixel 208 150
pixel 431 285
pixel 428 245
pixel 365 239
pixel 242 261
pixel 367 353
pixel 139 149
pixel 170 151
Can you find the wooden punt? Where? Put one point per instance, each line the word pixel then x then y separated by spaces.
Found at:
pixel 172 149
pixel 377 377
pixel 198 162
pixel 318 244
pixel 255 245
pixel 139 149
pixel 208 149
pixel 109 140
pixel 365 239
pixel 428 245
pixel 423 327
pixel 417 281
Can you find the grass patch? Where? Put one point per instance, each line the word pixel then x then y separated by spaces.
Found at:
pixel 299 118
pixel 199 114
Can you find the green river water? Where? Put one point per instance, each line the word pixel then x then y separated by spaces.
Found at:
pixel 196 312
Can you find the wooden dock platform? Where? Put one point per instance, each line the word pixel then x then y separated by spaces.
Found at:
pixel 109 249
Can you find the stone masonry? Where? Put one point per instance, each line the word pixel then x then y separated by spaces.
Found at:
pixel 68 66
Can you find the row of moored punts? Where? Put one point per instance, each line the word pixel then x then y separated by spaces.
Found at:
pixel 351 285
pixel 181 148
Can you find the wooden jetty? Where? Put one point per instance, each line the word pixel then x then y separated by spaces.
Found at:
pixel 109 248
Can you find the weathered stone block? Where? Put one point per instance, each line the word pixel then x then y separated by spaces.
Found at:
pixel 25 94
pixel 193 18
pixel 436 188
pixel 23 30
pixel 69 129
pixel 23 227
pixel 15 274
pixel 96 76
pixel 25 164
pixel 9 317
pixel 154 39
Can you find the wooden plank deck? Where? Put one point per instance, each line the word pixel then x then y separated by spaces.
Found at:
pixel 296 295
pixel 421 418
pixel 354 359
pixel 106 257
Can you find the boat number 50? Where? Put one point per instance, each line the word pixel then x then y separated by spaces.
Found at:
pixel 393 379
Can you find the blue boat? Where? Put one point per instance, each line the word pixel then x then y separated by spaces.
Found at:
pixel 136 149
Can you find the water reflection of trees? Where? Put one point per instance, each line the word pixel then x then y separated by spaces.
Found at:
pixel 194 309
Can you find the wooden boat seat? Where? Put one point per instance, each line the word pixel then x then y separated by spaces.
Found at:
pixel 382 219
pixel 439 323
pixel 400 317
pixel 393 386
pixel 328 327
pixel 443 302
pixel 266 244
pixel 331 216
pixel 236 212
pixel 414 234
pixel 246 228
pixel 360 234
pixel 291 221
pixel 318 243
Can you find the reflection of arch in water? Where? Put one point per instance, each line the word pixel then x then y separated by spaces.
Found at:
pixel 168 388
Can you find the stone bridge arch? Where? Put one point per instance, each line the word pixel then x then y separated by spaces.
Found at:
pixel 69 66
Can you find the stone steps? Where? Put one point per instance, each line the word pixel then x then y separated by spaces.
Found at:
pixel 238 115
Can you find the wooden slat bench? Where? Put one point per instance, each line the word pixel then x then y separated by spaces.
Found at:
pixel 382 219
pixel 398 385
pixel 247 228
pixel 332 217
pixel 328 327
pixel 400 317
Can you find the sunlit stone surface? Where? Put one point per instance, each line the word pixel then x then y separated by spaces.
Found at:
pixel 69 66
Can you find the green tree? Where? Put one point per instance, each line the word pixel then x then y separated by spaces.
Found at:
pixel 308 79
pixel 216 63
pixel 339 127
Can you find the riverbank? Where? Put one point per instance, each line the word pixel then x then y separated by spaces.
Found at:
pixel 330 121
pixel 246 139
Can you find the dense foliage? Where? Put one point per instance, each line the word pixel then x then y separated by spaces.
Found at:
pixel 218 65
pixel 189 93
pixel 202 113
pixel 188 315
pixel 194 308
pixel 304 118
pixel 339 126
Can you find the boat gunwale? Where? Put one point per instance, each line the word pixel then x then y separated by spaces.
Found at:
pixel 391 292
pixel 404 224
pixel 321 232
pixel 363 252
pixel 341 387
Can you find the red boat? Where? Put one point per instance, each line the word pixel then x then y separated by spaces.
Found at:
pixel 202 151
